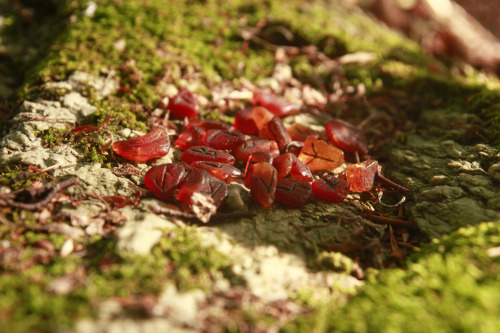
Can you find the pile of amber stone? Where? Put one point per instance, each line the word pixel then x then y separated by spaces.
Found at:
pixel 279 161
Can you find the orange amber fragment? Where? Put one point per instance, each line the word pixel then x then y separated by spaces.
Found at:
pixel 143 148
pixel 243 121
pixel 299 132
pixel 262 117
pixel 163 179
pixel 346 136
pixel 257 157
pixel 204 153
pixel 319 155
pixel 247 148
pixel 222 171
pixel 361 175
pixel 293 192
pixel 263 183
pixel 279 133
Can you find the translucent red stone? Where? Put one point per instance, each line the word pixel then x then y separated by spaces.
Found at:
pixel 299 132
pixel 204 153
pixel 299 170
pixel 361 175
pixel 346 136
pixel 243 151
pixel 163 179
pixel 279 132
pixel 222 139
pixel 189 137
pixel 209 124
pixel 319 155
pixel 257 157
pixel 184 105
pixel 143 148
pixel 283 164
pixel 200 181
pixel 222 171
pixel 263 183
pixel 331 188
pixel 293 192
pixel 262 117
pixel 276 105
pixel 243 121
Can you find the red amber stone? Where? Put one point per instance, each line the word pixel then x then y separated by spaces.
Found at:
pixel 189 137
pixel 346 136
pixel 361 175
pixel 209 124
pixel 202 182
pixel 257 157
pixel 331 188
pixel 222 171
pixel 319 155
pixel 279 133
pixel 184 104
pixel 262 117
pixel 278 106
pixel 283 164
pixel 263 183
pixel 299 170
pixel 204 153
pixel 222 139
pixel 143 148
pixel 243 121
pixel 293 192
pixel 299 132
pixel 247 148
pixel 163 179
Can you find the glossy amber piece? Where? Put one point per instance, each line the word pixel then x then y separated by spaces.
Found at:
pixel 346 136
pixel 257 157
pixel 263 183
pixel 331 188
pixel 299 170
pixel 163 179
pixel 276 105
pixel 222 139
pixel 283 164
pixel 299 132
pixel 279 133
pixel 184 105
pixel 293 192
pixel 247 148
pixel 361 175
pixel 143 148
pixel 243 122
pixel 319 155
pixel 209 125
pixel 262 117
pixel 204 153
pixel 222 171
pixel 189 137
pixel 200 181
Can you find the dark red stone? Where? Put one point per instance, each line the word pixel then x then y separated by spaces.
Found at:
pixel 293 192
pixel 184 105
pixel 222 171
pixel 299 170
pixel 200 181
pixel 209 125
pixel 189 137
pixel 278 106
pixel 257 157
pixel 204 153
pixel 143 148
pixel 163 179
pixel 243 121
pixel 346 136
pixel 279 133
pixel 331 188
pixel 263 183
pixel 243 151
pixel 299 132
pixel 222 139
pixel 361 175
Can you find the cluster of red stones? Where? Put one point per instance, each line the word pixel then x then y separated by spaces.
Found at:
pixel 279 162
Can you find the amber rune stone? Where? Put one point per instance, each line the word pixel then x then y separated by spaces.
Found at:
pixel 319 155
pixel 361 175
pixel 200 181
pixel 293 192
pixel 263 183
pixel 204 153
pixel 143 148
pixel 346 136
pixel 163 179
pixel 219 170
pixel 331 188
